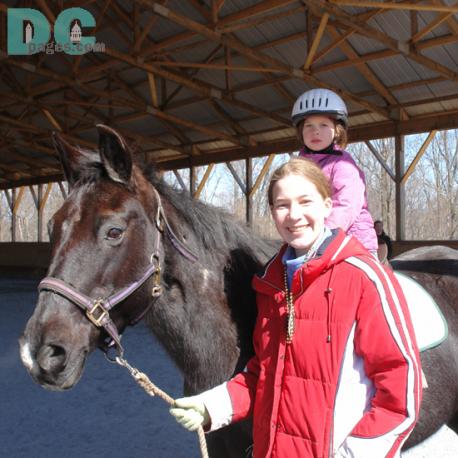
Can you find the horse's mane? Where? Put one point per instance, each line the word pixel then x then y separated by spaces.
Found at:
pixel 215 228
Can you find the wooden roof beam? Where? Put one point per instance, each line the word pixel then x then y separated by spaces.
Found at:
pixel 364 29
pixel 452 22
pixel 191 76
pixel 431 26
pixel 250 12
pixel 316 41
pixel 202 9
pixel 341 38
pixel 376 55
pixel 34 145
pixel 238 130
pixel 151 110
pixel 33 163
pixel 418 156
pixel 251 22
pixel 396 6
pixel 38 130
pixel 384 129
pixel 37 179
pixel 364 69
pixel 246 51
pixel 281 90
pixel 204 89
pixel 216 8
pixel 100 15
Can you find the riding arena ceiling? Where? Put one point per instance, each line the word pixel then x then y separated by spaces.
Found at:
pixel 194 82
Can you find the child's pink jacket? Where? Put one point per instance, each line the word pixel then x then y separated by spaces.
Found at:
pixel 349 201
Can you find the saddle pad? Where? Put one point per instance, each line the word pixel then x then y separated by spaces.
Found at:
pixel 429 324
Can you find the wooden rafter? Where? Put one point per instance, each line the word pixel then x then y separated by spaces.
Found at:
pixel 364 69
pixel 316 41
pixel 396 6
pixel 139 106
pixel 378 55
pixel 251 22
pixel 371 32
pixel 238 130
pixel 203 181
pixel 279 88
pixel 204 89
pixel 431 26
pixel 246 51
pixel 202 9
pixel 262 174
pixel 451 21
pixel 100 17
pixel 347 34
pixel 42 93
pixel 380 159
pixel 418 156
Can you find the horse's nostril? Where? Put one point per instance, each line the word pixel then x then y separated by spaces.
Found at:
pixel 51 358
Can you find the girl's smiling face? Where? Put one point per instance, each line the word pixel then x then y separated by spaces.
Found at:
pixel 318 132
pixel 299 211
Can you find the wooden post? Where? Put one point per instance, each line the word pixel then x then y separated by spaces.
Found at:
pixel 42 199
pixel 400 189
pixel 16 202
pixel 249 184
pixel 192 180
pixel 40 213
pixel 13 215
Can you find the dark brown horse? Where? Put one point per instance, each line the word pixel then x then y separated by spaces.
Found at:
pixel 118 225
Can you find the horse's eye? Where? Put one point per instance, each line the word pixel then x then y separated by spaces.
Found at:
pixel 114 233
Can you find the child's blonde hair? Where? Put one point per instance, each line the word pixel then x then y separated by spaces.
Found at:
pixel 303 168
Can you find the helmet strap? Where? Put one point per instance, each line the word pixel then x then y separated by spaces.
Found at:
pixel 331 149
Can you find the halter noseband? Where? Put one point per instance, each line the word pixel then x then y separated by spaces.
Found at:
pixel 97 310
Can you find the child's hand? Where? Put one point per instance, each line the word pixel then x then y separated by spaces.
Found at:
pixel 190 412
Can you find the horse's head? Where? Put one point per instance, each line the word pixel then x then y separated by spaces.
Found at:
pixel 102 240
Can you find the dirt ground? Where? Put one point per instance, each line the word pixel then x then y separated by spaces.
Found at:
pixel 106 414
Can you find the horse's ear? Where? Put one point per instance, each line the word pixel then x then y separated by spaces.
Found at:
pixel 115 154
pixel 72 158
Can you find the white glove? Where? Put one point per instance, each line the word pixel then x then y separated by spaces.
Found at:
pixel 190 413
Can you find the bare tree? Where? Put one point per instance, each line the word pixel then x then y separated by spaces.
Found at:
pixel 431 191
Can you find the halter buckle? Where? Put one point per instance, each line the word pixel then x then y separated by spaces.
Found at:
pixel 102 313
pixel 156 291
pixel 157 276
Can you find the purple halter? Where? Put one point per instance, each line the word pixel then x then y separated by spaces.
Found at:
pixel 97 310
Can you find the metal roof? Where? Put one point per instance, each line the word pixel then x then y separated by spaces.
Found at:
pixel 192 82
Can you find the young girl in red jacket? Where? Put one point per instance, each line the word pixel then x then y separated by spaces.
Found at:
pixel 336 370
pixel 321 119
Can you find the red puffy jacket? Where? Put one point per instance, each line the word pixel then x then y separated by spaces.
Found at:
pixel 355 393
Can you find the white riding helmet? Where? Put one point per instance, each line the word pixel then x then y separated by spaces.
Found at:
pixel 319 102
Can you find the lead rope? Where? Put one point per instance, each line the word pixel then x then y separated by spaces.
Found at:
pixel 144 381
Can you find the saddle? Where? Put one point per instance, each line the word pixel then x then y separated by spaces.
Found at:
pixel 428 321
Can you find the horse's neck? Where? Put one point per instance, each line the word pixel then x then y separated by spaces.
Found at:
pixel 194 319
pixel 188 324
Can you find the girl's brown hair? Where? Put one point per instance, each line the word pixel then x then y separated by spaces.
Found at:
pixel 303 168
pixel 340 138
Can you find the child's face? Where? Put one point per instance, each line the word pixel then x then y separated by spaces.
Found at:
pixel 299 211
pixel 318 132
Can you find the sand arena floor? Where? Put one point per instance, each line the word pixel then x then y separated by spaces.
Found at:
pixel 106 414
